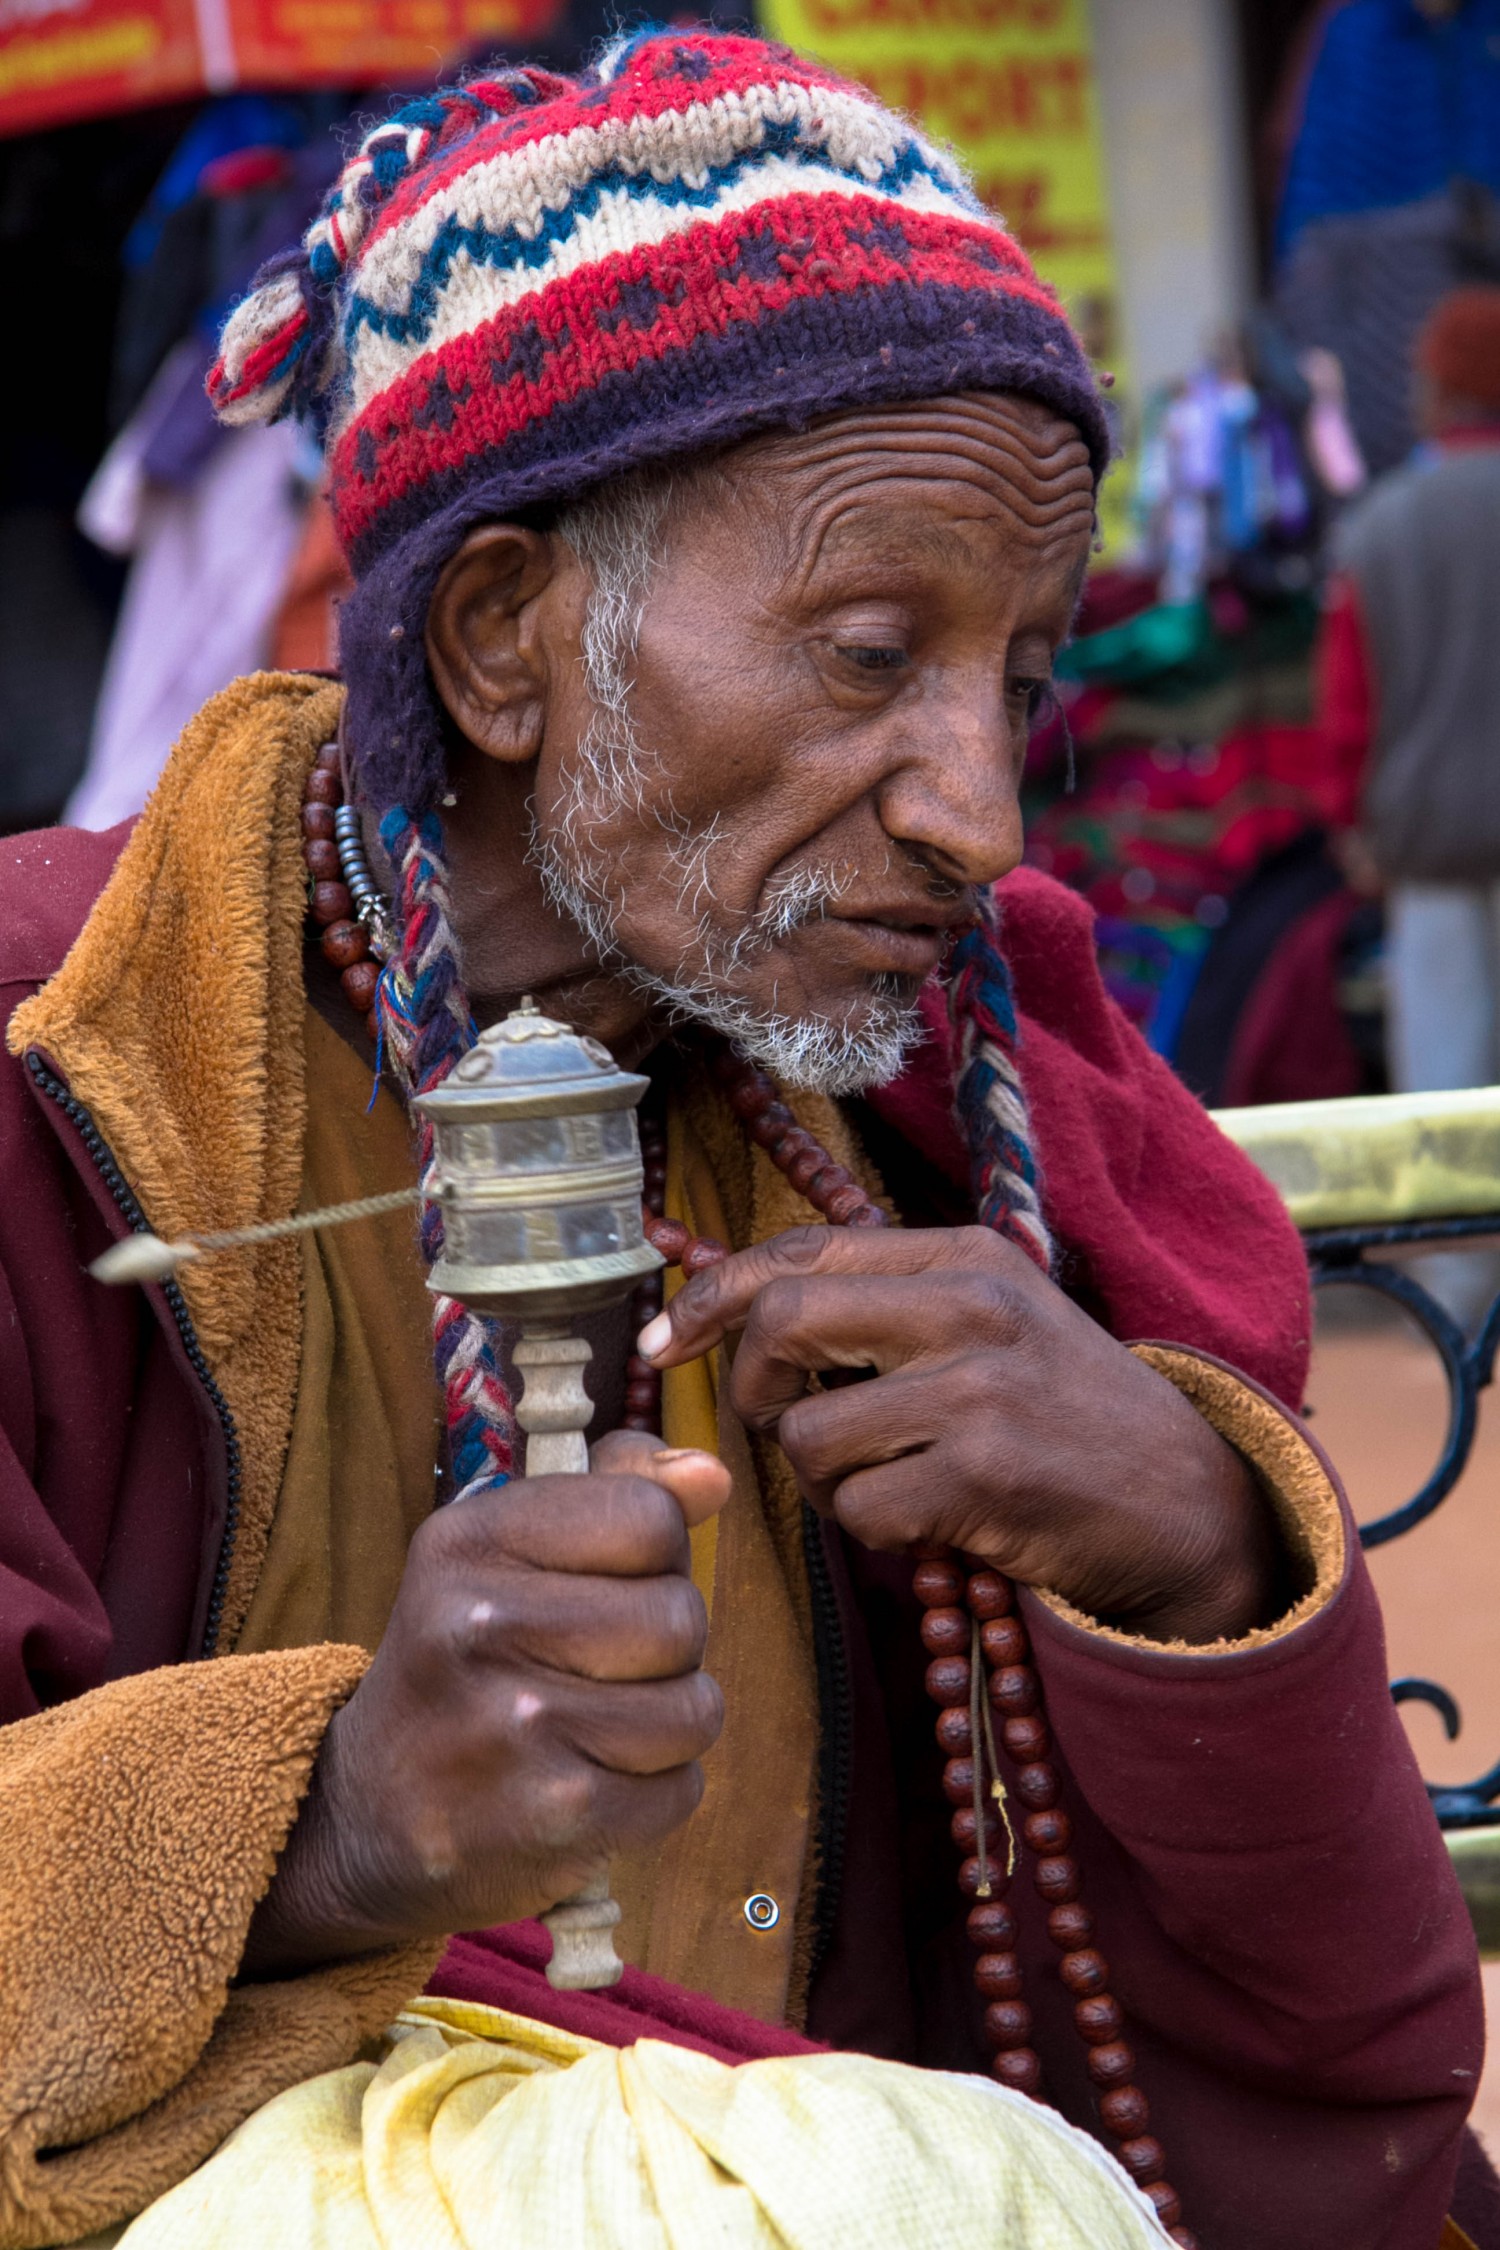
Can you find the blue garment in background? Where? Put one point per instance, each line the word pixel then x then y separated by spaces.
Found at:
pixel 233 121
pixel 1397 106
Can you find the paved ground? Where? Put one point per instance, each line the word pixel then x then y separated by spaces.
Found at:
pixel 1380 1409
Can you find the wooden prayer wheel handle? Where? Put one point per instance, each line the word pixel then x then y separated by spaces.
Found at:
pixel 583 1947
pixel 554 1410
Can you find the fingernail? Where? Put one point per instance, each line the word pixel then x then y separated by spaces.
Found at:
pixel 670 1453
pixel 655 1336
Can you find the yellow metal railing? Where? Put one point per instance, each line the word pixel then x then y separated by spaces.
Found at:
pixel 1377 1159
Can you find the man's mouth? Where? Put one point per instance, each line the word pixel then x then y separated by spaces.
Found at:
pixel 887 946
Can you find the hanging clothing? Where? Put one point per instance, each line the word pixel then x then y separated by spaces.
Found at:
pixel 1398 102
pixel 209 573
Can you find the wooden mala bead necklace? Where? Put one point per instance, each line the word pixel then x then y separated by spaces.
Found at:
pixel 980 1672
pixel 342 897
pixel 981 1677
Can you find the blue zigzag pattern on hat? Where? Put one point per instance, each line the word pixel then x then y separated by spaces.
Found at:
pixel 513 247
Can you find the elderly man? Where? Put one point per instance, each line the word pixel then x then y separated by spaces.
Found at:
pixel 718 480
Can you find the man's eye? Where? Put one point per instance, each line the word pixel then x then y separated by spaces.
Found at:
pixel 871 658
pixel 1036 694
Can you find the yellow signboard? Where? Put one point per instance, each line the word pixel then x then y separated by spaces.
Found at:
pixel 1010 85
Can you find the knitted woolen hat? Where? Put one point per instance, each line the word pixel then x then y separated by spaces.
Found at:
pixel 521 287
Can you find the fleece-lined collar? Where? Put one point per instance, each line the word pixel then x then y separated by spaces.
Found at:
pixel 177 1019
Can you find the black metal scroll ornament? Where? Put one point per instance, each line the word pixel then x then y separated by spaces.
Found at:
pixel 1338 1255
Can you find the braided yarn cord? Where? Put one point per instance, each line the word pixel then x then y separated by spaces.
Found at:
pixel 427 1026
pixel 991 1105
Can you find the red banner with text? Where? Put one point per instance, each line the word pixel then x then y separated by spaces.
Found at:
pixel 66 59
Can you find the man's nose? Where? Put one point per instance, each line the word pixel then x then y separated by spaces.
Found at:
pixel 952 796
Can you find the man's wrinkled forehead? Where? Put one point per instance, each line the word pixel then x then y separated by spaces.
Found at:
pixel 928 471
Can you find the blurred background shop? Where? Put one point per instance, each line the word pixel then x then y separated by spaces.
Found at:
pixel 1251 210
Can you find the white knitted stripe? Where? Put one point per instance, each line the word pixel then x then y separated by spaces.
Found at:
pixel 262 315
pixel 476 293
pixel 520 187
pixel 1006 1102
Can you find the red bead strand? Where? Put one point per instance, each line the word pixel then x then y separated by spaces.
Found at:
pixel 959 1606
pixel 345 941
pixel 1014 1694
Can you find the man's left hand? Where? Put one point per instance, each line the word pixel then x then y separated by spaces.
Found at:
pixel 1000 1420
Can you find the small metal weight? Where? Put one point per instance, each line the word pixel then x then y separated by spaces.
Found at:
pixel 537 1173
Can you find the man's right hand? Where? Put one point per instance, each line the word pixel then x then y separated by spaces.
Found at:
pixel 537 1704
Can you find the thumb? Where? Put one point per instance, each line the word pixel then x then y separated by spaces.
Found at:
pixel 697 1481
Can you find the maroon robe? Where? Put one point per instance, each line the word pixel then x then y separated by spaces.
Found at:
pixel 1282 1921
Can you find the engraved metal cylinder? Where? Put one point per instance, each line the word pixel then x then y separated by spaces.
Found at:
pixel 537 1172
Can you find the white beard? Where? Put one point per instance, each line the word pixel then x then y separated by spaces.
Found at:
pixel 818 1053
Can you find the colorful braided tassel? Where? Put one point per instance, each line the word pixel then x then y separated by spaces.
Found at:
pixel 274 350
pixel 427 1027
pixel 990 1103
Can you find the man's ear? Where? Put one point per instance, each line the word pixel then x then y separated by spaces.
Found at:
pixel 484 640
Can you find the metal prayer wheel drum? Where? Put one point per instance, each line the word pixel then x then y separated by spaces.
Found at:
pixel 537 1173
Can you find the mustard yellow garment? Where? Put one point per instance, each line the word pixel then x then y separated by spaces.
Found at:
pixel 485 2131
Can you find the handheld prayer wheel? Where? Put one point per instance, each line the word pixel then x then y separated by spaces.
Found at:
pixel 537 1173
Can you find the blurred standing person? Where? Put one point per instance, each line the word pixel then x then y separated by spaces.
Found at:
pixel 1410 698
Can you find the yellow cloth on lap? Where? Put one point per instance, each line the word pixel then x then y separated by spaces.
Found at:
pixel 486 2131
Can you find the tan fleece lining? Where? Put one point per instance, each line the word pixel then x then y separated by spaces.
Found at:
pixel 123 1914
pixel 177 1020
pixel 1291 1475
